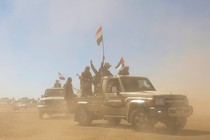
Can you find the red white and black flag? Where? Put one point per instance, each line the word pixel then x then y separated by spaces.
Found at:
pixel 61 77
pixel 120 64
pixel 99 35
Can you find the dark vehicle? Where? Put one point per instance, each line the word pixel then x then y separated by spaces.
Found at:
pixel 52 102
pixel 133 99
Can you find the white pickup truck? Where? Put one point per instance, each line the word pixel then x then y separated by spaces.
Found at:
pixel 135 100
pixel 52 102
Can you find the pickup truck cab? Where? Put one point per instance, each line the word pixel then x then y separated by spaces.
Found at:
pixel 133 99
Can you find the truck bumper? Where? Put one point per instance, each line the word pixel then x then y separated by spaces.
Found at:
pixel 162 112
pixel 52 109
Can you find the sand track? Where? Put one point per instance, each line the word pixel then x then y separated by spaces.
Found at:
pixel 25 125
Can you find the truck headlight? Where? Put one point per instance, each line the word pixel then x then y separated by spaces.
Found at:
pixel 159 101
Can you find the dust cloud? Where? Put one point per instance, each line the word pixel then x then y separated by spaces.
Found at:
pixel 25 124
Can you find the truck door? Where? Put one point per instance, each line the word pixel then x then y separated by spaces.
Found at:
pixel 113 101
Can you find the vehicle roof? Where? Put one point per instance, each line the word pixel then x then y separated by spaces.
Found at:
pixel 117 76
pixel 54 88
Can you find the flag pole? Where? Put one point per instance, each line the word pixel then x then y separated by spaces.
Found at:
pixel 103 48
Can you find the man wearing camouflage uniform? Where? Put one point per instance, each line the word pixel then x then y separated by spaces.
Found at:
pixel 86 82
pixel 124 71
pixel 98 75
pixel 105 70
pixel 68 93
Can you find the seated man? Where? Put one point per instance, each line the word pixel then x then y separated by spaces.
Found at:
pixel 113 87
pixel 57 84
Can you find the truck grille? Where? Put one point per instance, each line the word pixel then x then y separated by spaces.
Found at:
pixel 174 101
pixel 53 102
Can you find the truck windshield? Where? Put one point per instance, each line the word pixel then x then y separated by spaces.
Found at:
pixel 133 84
pixel 54 93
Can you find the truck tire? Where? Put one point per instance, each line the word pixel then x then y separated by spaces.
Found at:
pixel 84 117
pixel 114 121
pixel 176 123
pixel 139 120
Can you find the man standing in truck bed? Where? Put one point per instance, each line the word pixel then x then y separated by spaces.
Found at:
pixel 124 71
pixel 103 71
pixel 86 82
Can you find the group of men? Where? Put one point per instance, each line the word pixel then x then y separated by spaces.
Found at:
pixel 86 78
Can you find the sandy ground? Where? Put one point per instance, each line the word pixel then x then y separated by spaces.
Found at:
pixel 25 125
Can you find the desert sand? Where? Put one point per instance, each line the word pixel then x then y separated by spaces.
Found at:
pixel 25 125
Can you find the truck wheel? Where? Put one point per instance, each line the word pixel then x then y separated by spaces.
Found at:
pixel 176 123
pixel 41 115
pixel 114 121
pixel 139 120
pixel 84 117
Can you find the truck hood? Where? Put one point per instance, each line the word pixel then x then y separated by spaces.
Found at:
pixel 52 98
pixel 150 94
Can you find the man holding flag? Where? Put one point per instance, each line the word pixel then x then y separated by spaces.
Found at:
pixel 124 70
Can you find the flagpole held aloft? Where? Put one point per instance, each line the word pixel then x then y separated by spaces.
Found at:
pixel 103 49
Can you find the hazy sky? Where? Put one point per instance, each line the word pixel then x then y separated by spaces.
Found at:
pixel 165 40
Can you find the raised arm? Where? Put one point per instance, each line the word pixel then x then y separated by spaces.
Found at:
pixel 93 67
pixel 102 63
